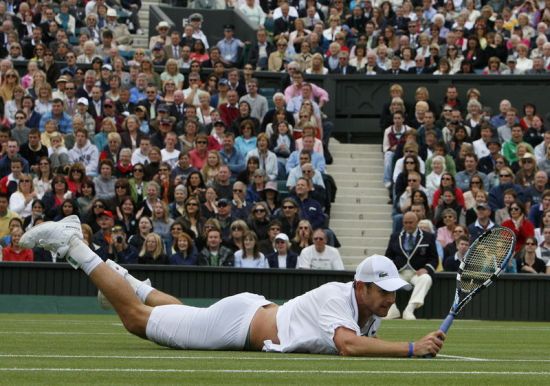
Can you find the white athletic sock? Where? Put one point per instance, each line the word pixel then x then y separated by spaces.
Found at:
pixel 143 290
pixel 81 253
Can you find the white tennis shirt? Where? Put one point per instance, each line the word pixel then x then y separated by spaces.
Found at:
pixel 307 323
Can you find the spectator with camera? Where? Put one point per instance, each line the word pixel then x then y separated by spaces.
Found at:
pixel 119 250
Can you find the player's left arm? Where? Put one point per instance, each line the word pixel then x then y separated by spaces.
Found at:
pixel 348 343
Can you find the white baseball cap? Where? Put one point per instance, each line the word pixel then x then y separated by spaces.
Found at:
pixel 83 101
pixel 282 236
pixel 381 271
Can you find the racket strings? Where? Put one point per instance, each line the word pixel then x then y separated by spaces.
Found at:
pixel 485 259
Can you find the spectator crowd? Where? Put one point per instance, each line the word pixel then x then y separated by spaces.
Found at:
pixel 177 166
pixel 173 155
pixel 455 169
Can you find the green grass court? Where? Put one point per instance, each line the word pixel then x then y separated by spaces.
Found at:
pixel 86 349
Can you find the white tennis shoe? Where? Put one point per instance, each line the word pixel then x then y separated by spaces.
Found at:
pixel 134 283
pixel 408 313
pixel 393 313
pixel 54 237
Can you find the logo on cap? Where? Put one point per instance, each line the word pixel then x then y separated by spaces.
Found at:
pixel 383 274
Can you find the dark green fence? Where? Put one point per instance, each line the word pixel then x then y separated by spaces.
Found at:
pixel 515 297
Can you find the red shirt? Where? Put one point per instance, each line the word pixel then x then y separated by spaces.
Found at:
pixel 526 229
pixel 9 254
pixel 228 114
pixel 196 160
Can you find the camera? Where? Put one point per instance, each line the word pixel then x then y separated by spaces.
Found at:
pixel 119 239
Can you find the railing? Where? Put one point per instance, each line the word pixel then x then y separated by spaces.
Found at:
pixel 514 297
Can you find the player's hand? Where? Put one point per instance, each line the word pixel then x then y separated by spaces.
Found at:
pixel 429 345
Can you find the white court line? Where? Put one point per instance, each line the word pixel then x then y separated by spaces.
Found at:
pixel 319 358
pixel 461 357
pixel 268 371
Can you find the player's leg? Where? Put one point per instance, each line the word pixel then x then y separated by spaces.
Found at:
pixel 65 239
pixel 132 312
pixel 143 289
pixel 422 284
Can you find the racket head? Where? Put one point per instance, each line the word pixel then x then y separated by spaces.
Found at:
pixel 485 260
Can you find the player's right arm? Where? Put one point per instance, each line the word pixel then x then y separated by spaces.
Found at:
pixel 348 343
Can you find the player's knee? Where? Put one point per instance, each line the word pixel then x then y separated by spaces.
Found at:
pixel 135 320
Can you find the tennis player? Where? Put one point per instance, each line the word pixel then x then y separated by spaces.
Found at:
pixel 336 318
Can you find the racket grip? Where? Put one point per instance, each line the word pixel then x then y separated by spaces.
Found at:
pixel 447 323
pixel 444 327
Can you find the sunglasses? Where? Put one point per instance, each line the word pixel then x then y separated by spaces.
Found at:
pixel 412 180
pixel 259 210
pixel 236 228
pixel 192 204
pixel 201 142
pixel 514 208
pixel 138 170
pixel 289 207
pixel 504 175
pixel 237 190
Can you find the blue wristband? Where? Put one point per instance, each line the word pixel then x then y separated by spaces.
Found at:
pixel 410 354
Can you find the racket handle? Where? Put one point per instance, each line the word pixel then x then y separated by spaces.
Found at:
pixel 447 323
pixel 444 327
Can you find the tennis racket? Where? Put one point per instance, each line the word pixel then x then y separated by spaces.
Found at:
pixel 485 260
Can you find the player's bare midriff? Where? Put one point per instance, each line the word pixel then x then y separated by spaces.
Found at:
pixel 264 327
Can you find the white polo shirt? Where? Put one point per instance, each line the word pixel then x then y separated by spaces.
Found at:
pixel 329 259
pixel 307 323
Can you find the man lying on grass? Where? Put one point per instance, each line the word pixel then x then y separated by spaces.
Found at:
pixel 336 318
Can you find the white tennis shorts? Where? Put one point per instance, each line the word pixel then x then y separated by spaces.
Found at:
pixel 222 326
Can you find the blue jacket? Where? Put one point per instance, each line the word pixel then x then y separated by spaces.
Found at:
pixel 129 255
pixel 423 254
pixel 496 195
pixel 291 259
pixel 65 123
pixel 312 211
pixel 235 161
pixel 191 259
